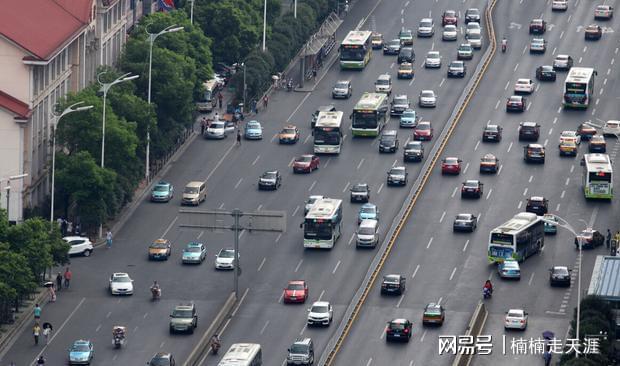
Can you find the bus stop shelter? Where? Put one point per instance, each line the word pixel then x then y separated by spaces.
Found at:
pixel 605 281
pixel 319 46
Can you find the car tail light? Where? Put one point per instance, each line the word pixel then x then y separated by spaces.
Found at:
pixel 406 330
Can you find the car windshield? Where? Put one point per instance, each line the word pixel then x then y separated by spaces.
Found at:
pixel 159 361
pixel 426 23
pixel 193 249
pixel 366 231
pixel 121 279
pixel 473 11
pixel 391 279
pixel 465 47
pixel 359 188
pixel 401 100
pixel 319 309
pixel 408 114
pixel 433 310
pixel 561 58
pixel 397 326
pixel 423 127
pixel 491 128
pixel 251 125
pixel 450 14
pixel 159 245
pixel 295 286
pixel 191 190
pixel 432 54
pixel 182 313
pixel 397 171
pixel 471 184
pixel 511 265
pixel 405 33
pixel 304 159
pixel 456 64
pixel 161 188
pixel 427 94
pixel 383 82
pixel 474 36
pixel 269 175
pixel 288 131
pixel 515 314
pixel 217 125
pixel 394 43
pixel 227 254
pixel 560 270
pixel 449 28
pixel 299 349
pixel 462 217
pixel 311 200
pixel 451 161
pixel 368 209
pixel 515 99
pixel 80 348
pixel 342 85
pixel 414 145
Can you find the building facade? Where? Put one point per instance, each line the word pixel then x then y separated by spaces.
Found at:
pixel 47 49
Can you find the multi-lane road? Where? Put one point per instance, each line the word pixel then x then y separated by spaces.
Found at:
pixel 439 265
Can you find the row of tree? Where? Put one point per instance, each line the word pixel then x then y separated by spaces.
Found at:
pixel 27 250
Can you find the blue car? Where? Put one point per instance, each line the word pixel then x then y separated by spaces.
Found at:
pixel 253 131
pixel 162 192
pixel 509 269
pixel 408 118
pixel 368 211
pixel 81 352
pixel 551 226
pixel 194 253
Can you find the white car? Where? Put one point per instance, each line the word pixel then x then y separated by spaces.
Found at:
pixel 524 86
pixel 426 28
pixel 428 98
pixel 562 62
pixel 217 130
pixel 449 33
pixel 121 284
pixel 515 319
pixel 473 27
pixel 80 245
pixel 384 84
pixel 611 128
pixel 225 259
pixel 538 45
pixel 603 12
pixel 570 136
pixel 559 5
pixel 475 40
pixel 320 313
pixel 433 60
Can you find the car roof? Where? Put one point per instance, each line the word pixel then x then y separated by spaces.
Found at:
pixel 400 167
pixel 120 274
pixel 432 305
pixel 389 133
pixel 491 126
pixel 369 205
pixel 414 143
pixel 70 238
pixel 472 181
pixel 392 276
pixel 271 172
pixel 426 20
pixel 296 282
pixel 304 341
pixel 81 341
pixel 162 183
pixel 343 81
pixel 510 263
pixel 489 156
pixel 529 124
pixel 399 321
pixel 383 77
pixel 320 303
pixel 449 26
pixel 537 198
pixel 194 244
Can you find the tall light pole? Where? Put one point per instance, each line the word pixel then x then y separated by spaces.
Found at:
pixel 191 11
pixel 151 39
pixel 104 89
pixel 8 192
pixel 70 109
pixel 295 10
pixel 264 25
pixel 244 86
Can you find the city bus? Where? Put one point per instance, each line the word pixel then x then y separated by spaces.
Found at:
pixel 597 176
pixel 517 238
pixel 243 354
pixel 356 50
pixel 578 87
pixel 207 99
pixel 323 224
pixel 328 133
pixel 369 114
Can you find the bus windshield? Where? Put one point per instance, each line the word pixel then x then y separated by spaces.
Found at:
pixel 326 137
pixel 364 119
pixel 501 239
pixel 318 230
pixel 352 54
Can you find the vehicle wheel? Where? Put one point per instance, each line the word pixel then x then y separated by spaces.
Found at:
pixel 171 331
pixel 191 330
pixel 86 253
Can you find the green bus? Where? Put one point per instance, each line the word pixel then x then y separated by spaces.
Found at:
pixel 369 114
pixel 356 50
pixel 597 176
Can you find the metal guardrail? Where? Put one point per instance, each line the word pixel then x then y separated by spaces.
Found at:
pixel 360 296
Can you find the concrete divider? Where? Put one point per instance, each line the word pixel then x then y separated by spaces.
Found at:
pixel 202 348
pixel 474 328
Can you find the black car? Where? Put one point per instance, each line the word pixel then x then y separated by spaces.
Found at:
pixel 360 192
pixel 456 69
pixel 393 284
pixel 472 189
pixel 406 54
pixel 388 142
pixel 559 276
pixel 392 47
pixel 270 180
pixel 399 105
pixel 545 73
pixel 492 133
pixel 534 153
pixel 397 176
pixel 529 131
pixel 465 222
pixel 414 151
pixel 537 205
pixel 162 359
pixel 398 330
pixel 472 15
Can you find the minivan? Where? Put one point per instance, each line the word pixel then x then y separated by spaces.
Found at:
pixel 384 84
pixel 367 234
pixel 194 193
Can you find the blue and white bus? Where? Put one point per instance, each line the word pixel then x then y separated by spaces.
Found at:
pixel 517 238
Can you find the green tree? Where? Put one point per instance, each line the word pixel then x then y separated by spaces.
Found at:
pixel 16 277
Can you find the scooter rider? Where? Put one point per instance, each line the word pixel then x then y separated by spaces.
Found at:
pixel 215 343
pixel 156 290
pixel 488 286
pixel 504 44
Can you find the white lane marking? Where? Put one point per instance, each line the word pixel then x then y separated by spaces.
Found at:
pixel 221 206
pixel 528 106
pixel 554 50
pixel 399 301
pixel 466 244
pixel 321 295
pixel 351 239
pixel 572 167
pixel 550 131
pixel 499 171
pixel 556 118
pixel 415 271
pixel 442 81
pixel 601 91
pixel 525 191
pixel 336 268
pixel 264 327
pixel 306 139
pixel 303 329
pixel 299 106
pixel 520 204
pixel 360 164
pixel 580 59
pixel 238 182
pixel 489 194
pixel 605 81
pixel 312 186
pixel 529 283
pixel 423 335
pixel 239 304
pixel 561 34
pixel 273 138
pixel 507 83
pixel 295 211
pixel 370 359
pixel 567 180
pixel 429 243
pixel 466 167
pixel 452 274
pixel 546 142
pixel 278 237
pixel 219 162
pixel 108 314
pixel 256 160
pixel 497 104
pixel 509 147
pixel 557 208
pixel 380 188
pixel 454 192
pixel 442 216
pixel 98 327
pixel 169 227
pixel 563 193
pixel 531 178
pixel 477 144
pixel 299 265
pixel 411 82
pixel 346 187
pixel 259 207
pixel 262 264
pixel 200 235
pixel 569 18
pixel 516 67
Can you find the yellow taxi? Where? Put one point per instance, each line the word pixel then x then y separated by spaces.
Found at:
pixel 289 135
pixel 568 148
pixel 376 40
pixel 160 249
pixel 405 71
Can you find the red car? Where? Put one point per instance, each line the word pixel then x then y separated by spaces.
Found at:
pixel 296 291
pixel 423 131
pixel 449 17
pixel 538 26
pixel 516 103
pixel 451 165
pixel 306 163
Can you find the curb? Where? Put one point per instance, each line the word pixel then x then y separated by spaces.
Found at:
pixel 7 338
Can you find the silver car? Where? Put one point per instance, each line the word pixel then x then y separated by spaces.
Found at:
pixel 342 89
pixel 538 45
pixel 426 28
pixel 217 130
pixel 449 33
pixel 433 60
pixel 475 39
pixel 427 98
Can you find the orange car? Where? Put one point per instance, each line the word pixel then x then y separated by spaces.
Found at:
pixel 289 135
pixel 160 249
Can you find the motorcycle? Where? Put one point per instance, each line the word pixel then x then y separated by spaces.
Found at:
pixel 118 336
pixel 289 85
pixel 156 293
pixel 215 346
pixel 504 46
pixel 487 292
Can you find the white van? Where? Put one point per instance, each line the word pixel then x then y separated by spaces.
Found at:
pixel 194 193
pixel 384 84
pixel 611 128
pixel 367 234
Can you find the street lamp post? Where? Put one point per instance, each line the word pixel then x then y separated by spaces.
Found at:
pixel 8 192
pixel 264 25
pixel 244 85
pixel 70 109
pixel 191 12
pixel 104 89
pixel 151 39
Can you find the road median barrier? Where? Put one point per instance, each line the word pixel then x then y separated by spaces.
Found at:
pixel 474 328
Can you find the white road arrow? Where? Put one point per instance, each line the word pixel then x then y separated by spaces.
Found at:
pixel 514 25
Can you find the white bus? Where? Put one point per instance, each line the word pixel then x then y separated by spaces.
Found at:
pixel 328 133
pixel 356 50
pixel 323 224
pixel 578 87
pixel 243 354
pixel 597 176
pixel 369 114
pixel 207 99
pixel 517 238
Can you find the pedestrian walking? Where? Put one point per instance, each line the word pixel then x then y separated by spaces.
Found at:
pixel 41 361
pixel 265 101
pixel 52 293
pixel 203 125
pixel 238 137
pixel 70 227
pixel 36 331
pixel 78 229
pixel 59 281
pixel 220 99
pixel 46 334
pixel 547 358
pixel 37 312
pixel 608 241
pixel 67 277
pixel 63 227
pixel 108 239
pixel 59 222
pixel 253 106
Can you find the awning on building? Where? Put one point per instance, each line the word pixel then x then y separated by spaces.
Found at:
pixel 605 281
